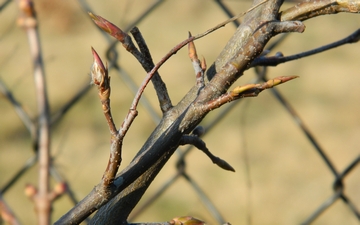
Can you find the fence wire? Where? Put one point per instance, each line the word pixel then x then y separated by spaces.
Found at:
pixel 181 167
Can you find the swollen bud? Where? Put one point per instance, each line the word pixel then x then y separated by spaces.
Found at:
pixel 30 190
pixel 60 188
pixel 99 72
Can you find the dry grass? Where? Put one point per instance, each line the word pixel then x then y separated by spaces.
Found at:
pixel 288 178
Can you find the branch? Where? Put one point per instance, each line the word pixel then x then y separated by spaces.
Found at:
pixel 309 9
pixel 279 58
pixel 28 20
pixel 143 57
pixel 127 43
pixel 199 144
pixel 100 77
pixel 249 90
pixel 260 25
pixel 159 85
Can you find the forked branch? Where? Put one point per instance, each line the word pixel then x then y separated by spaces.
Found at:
pixel 259 26
pixel 100 77
pixel 143 56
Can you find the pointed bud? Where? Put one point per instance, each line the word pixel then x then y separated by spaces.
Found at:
pixel 109 27
pixel 279 80
pixel 192 50
pixel 99 72
pixel 203 64
pixel 186 220
pixel 224 165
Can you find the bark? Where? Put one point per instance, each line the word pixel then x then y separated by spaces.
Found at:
pixel 246 44
pixel 115 202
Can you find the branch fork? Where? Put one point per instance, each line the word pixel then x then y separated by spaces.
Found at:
pixel 200 144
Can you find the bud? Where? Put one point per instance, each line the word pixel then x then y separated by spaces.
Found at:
pixel 30 190
pixel 203 64
pixel 60 188
pixel 109 27
pixel 186 220
pixel 99 73
pixel 192 50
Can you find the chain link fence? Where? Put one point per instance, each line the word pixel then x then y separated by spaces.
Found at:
pixel 295 149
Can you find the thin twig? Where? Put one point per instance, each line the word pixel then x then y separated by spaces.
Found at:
pixel 142 16
pixel 101 78
pixel 249 90
pixel 130 83
pixel 276 60
pixel 122 37
pixel 159 85
pixel 228 21
pixel 143 56
pixel 227 12
pixel 29 22
pixel 199 144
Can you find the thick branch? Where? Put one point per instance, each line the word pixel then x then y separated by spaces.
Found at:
pixel 181 120
pixel 248 42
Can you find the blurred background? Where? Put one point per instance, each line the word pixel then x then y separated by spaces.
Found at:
pixel 280 178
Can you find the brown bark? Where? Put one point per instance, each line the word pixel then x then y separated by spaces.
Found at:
pixel 246 44
pixel 117 201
